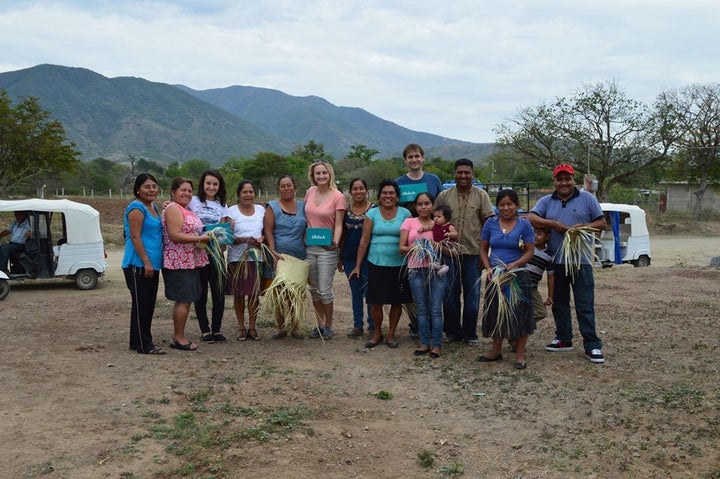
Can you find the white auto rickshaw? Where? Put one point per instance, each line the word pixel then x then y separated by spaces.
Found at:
pixel 625 239
pixel 65 242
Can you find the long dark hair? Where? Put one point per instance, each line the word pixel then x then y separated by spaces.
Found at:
pixel 221 196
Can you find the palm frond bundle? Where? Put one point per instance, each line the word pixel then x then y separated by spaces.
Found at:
pixel 286 297
pixel 503 286
pixel 218 238
pixel 257 254
pixel 578 248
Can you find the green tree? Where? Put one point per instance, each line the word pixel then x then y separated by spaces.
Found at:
pixel 33 146
pixel 693 116
pixel 362 153
pixel 310 152
pixel 265 169
pixel 192 169
pixel 600 128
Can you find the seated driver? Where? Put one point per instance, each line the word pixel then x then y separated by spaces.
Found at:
pixel 18 231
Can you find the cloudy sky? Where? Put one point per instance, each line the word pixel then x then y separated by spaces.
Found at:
pixel 456 68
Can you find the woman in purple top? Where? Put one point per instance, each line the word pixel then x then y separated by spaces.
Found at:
pixel 507 242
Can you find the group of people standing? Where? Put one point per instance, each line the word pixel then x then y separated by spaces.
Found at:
pixel 419 247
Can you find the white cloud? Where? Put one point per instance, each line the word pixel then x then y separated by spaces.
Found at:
pixel 451 68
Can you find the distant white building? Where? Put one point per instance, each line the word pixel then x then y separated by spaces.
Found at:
pixel 681 199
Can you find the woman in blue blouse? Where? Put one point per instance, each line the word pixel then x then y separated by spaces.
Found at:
pixel 387 282
pixel 508 242
pixel 142 261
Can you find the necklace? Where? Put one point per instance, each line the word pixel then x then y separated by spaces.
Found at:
pixel 507 228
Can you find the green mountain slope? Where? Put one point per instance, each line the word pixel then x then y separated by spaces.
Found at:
pixel 300 119
pixel 114 117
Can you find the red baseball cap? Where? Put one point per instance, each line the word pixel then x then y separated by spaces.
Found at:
pixel 563 168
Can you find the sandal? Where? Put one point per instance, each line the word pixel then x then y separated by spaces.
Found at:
pixel 253 335
pixel 183 347
pixel 241 335
pixel 279 335
pixel 156 350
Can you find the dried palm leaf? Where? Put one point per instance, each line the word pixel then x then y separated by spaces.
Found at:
pixel 578 248
pixel 286 297
pixel 258 254
pixel 503 286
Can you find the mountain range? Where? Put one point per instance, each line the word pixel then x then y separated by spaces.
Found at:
pixel 115 117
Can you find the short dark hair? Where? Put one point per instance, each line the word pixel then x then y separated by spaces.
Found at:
pixel 140 179
pixel 445 210
pixel 387 182
pixel 463 162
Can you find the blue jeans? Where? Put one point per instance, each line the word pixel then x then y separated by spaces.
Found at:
pixel 428 290
pixel 583 289
pixel 358 288
pixel 464 275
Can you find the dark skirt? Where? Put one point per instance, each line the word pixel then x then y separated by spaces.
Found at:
pixel 522 321
pixel 242 281
pixel 388 285
pixel 182 285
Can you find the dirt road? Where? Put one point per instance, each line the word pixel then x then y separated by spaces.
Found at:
pixel 77 404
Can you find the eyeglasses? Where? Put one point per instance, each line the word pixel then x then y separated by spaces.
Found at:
pixel 319 161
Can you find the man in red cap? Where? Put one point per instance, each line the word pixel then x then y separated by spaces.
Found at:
pixel 569 207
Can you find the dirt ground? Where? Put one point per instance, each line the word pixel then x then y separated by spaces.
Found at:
pixel 76 403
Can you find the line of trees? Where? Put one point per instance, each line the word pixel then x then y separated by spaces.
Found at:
pixel 623 142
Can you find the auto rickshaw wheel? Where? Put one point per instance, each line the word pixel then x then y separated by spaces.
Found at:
pixel 642 261
pixel 4 289
pixel 86 279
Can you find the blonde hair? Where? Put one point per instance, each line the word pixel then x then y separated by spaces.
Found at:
pixel 330 170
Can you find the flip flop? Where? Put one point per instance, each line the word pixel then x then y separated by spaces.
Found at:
pixel 183 347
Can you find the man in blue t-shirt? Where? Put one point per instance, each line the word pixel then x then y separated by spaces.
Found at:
pixel 569 207
pixel 416 180
pixel 413 182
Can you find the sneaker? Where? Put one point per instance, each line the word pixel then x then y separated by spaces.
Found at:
pixel 315 333
pixel 556 345
pixel 473 342
pixel 355 333
pixel 327 333
pixel 595 356
pixel 443 270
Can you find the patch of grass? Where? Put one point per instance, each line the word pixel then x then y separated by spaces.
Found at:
pixel 675 397
pixel 426 459
pixel 383 395
pixel 454 469
pixel 231 410
pixel 279 423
